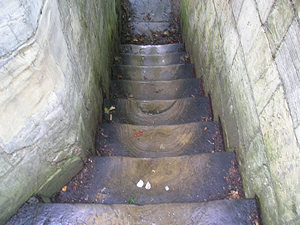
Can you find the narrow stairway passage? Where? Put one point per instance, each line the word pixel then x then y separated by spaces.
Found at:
pixel 160 157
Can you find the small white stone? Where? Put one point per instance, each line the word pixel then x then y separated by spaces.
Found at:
pixel 148 186
pixel 167 188
pixel 140 184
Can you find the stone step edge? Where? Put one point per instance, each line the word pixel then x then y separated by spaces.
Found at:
pixel 157 81
pixel 155 126
pixel 158 204
pixel 156 100
pixel 179 53
pixel 152 46
pixel 153 67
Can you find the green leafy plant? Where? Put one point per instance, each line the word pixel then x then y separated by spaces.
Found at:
pixel 131 201
pixel 107 110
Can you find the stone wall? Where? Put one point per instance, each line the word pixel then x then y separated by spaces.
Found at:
pixel 54 71
pixel 248 54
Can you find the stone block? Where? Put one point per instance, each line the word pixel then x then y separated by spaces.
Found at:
pixel 217 51
pixel 51 92
pixel 18 22
pixel 264 8
pixel 297 132
pixel 236 6
pixel 278 22
pixel 283 155
pixel 243 102
pixel 248 25
pixel 229 124
pixel 61 177
pixel 228 32
pixel 4 166
pixel 265 86
pixel 259 57
pixel 297 6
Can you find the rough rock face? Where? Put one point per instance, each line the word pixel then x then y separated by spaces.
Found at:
pixel 54 70
pixel 247 52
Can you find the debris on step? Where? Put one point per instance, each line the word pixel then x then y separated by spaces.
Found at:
pixel 148 186
pixel 140 184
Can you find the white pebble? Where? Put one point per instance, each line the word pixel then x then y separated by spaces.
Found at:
pixel 167 188
pixel 162 147
pixel 148 186
pixel 140 184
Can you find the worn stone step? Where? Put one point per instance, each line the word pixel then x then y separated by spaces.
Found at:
pixel 148 28
pixel 119 139
pixel 157 90
pixel 154 10
pixel 160 112
pixel 151 60
pixel 220 212
pixel 115 180
pixel 170 72
pixel 151 49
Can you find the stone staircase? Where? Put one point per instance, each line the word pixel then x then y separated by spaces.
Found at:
pixel 162 158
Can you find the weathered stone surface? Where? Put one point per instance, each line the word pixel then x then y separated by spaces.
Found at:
pixel 194 178
pixel 159 112
pixel 248 25
pixel 288 63
pixel 297 6
pixel 259 57
pixel 246 80
pixel 236 8
pixel 160 140
pixel 18 22
pixel 151 10
pixel 278 22
pixel 5 166
pixel 50 97
pixel 265 86
pixel 258 180
pixel 61 177
pixel 264 8
pixel 283 155
pixel 243 102
pixel 214 212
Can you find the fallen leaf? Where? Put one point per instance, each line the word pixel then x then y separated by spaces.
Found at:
pixel 106 110
pixel 138 134
pixel 117 59
pixel 64 189
pixel 148 16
